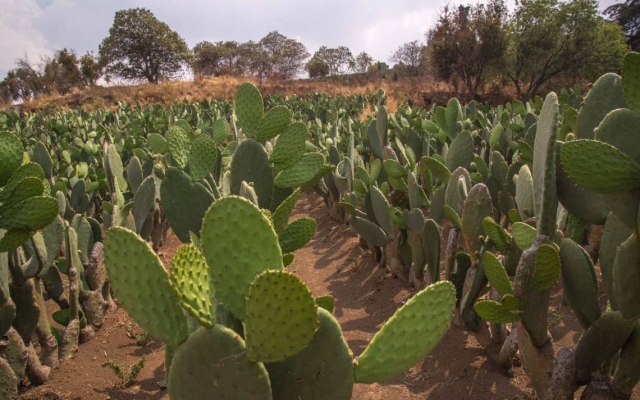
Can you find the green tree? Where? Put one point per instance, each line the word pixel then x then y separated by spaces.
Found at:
pixel 283 57
pixel 91 68
pixel 317 68
pixel 469 42
pixel 338 60
pixel 216 59
pixel 411 57
pixel 627 14
pixel 140 47
pixel 363 62
pixel 552 39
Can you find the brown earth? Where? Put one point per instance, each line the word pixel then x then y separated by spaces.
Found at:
pixel 366 296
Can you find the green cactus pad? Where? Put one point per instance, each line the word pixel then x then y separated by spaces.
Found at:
pixel 495 312
pixel 626 277
pixel 436 211
pixel 202 157
pixel 10 155
pixel 631 80
pixel 30 214
pixel 179 146
pixel 579 282
pixel 452 216
pixel 496 274
pixel 184 202
pixel 273 123
pixel 588 206
pixel 42 157
pixel 628 373
pixel 599 167
pixel 297 234
pixel 322 370
pixel 220 131
pixel 141 283
pixel 437 168
pixel 409 335
pixel 511 303
pixel 281 317
pixel 249 108
pixel 524 193
pixel 191 284
pixel 14 238
pixel 394 169
pixel 238 242
pixel 28 187
pixel 499 236
pixel 283 212
pixel 369 231
pixel 614 234
pixel 303 171
pixel 326 302
pixel 8 380
pixel 29 170
pixel 380 207
pixel 157 143
pixel 600 343
pixel 144 202
pixel 431 240
pixel 547 269
pixel 251 164
pixel 114 166
pixel 620 129
pixel 213 364
pixel 544 167
pixel 523 235
pixel 290 146
pixel 460 152
pixel 605 95
pixel 453 197
pixel 477 207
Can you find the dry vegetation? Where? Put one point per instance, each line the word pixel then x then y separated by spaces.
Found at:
pixel 421 91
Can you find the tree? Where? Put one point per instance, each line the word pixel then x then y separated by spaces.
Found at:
pixel 216 59
pixel 411 57
pixel 139 47
pixel 469 42
pixel 551 39
pixel 627 14
pixel 317 68
pixel 338 60
pixel 284 57
pixel 91 68
pixel 362 63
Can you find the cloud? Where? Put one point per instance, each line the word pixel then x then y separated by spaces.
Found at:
pixel 19 34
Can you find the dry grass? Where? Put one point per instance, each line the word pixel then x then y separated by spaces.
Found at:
pixel 417 91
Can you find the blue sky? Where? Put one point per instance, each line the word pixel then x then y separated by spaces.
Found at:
pixel 39 27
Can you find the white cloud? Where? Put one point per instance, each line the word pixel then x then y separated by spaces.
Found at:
pixel 19 35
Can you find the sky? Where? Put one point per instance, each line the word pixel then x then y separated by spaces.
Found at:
pixel 39 27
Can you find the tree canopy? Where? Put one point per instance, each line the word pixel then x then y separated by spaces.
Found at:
pixel 140 47
pixel 627 14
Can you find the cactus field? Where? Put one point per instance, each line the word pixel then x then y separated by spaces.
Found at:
pixel 324 248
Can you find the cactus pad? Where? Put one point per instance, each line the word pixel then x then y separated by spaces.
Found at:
pixel 302 171
pixel 496 274
pixel 273 123
pixel 283 212
pixel 544 167
pixel 251 164
pixel 369 231
pixel 477 207
pixel 10 155
pixel 144 202
pixel 626 278
pixel 281 317
pixel 202 157
pixel 191 284
pixel 185 203
pixel 498 236
pixel 605 95
pixel 492 311
pixel 179 146
pixel 238 243
pixel 141 284
pixel 437 168
pixel 322 370
pixel 579 282
pixel 453 196
pixel 297 234
pixel 157 143
pixel 249 108
pixel 409 335
pixel 631 80
pixel 220 131
pixel 213 363
pixel 290 146
pixel 523 235
pixel 524 193
pixel 31 214
pixel 327 302
pixel 614 234
pixel 547 268
pixel 460 152
pixel 599 167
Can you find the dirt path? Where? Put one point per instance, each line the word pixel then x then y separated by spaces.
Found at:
pixel 332 263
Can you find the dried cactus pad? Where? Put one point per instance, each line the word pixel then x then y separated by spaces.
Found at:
pixel 323 370
pixel 238 242
pixel 191 283
pixel 141 284
pixel 409 335
pixel 213 364
pixel 281 317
